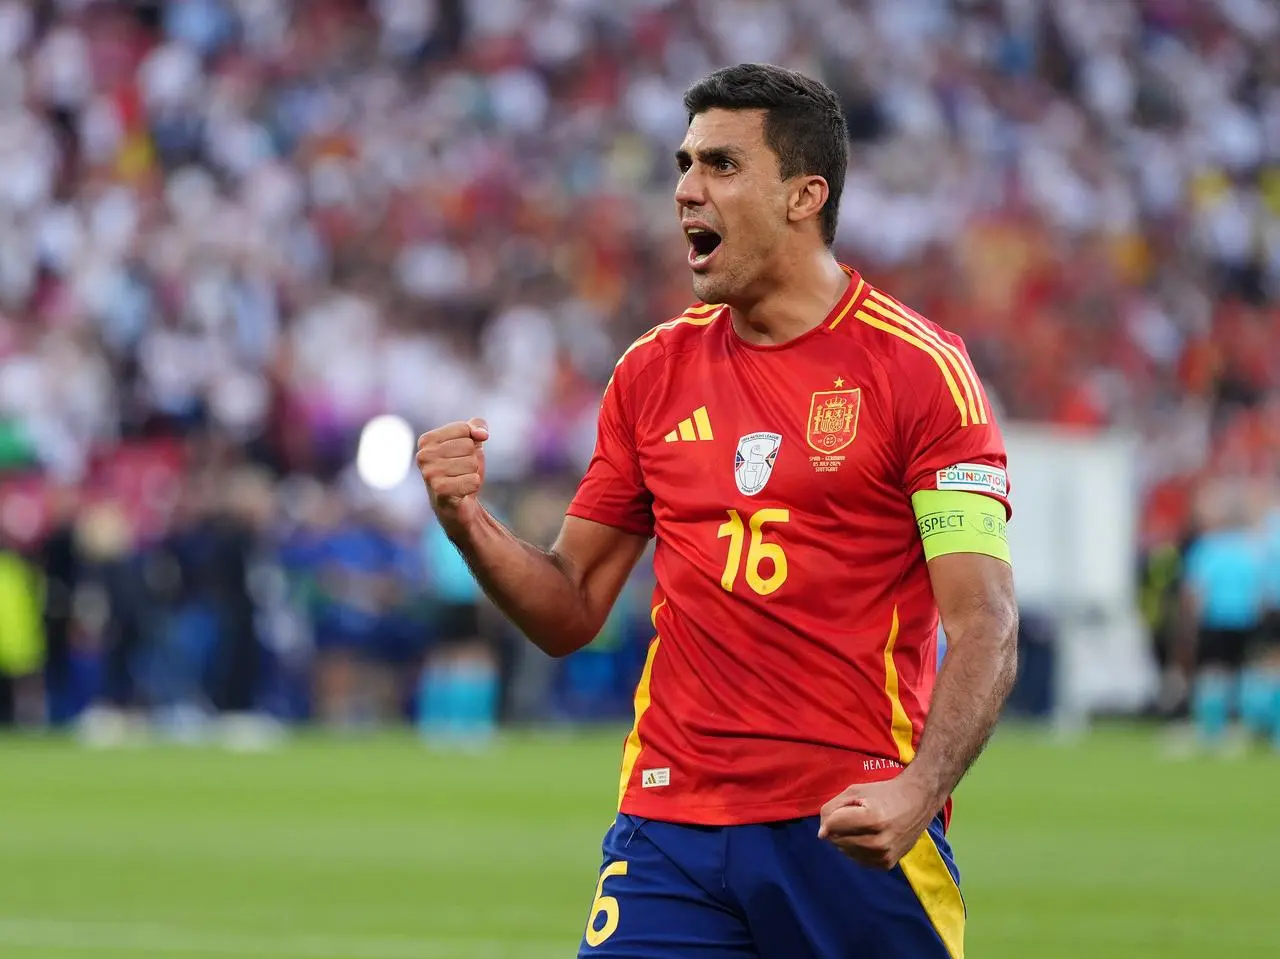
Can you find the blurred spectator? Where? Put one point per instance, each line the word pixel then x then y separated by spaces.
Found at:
pixel 113 604
pixel 241 548
pixel 363 574
pixel 459 697
pixel 1161 603
pixel 61 561
pixel 22 643
pixel 1268 658
pixel 1225 586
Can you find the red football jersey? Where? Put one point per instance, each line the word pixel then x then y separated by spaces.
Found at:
pixel 796 630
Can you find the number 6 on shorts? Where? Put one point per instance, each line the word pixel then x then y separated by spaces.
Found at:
pixel 606 905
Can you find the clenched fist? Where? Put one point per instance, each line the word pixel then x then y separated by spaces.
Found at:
pixel 877 824
pixel 451 460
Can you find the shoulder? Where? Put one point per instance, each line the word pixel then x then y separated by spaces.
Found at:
pixel 675 336
pixel 918 351
pixel 900 334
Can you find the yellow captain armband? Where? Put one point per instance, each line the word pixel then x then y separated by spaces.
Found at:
pixel 951 521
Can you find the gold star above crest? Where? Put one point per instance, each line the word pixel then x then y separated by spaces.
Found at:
pixel 839 382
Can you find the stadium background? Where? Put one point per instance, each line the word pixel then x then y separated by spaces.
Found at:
pixel 235 233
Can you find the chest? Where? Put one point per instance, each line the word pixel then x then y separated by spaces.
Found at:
pixel 812 431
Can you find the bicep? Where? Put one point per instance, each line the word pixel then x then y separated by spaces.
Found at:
pixel 973 587
pixel 597 558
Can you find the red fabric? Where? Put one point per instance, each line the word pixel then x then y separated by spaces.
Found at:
pixel 765 701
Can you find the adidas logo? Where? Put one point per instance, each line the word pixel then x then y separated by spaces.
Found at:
pixel 652 778
pixel 696 427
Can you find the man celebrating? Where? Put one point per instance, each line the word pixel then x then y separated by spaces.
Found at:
pixel 821 471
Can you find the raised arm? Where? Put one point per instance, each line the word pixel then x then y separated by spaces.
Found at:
pixel 560 597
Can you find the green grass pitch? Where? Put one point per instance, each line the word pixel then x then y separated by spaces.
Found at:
pixel 381 849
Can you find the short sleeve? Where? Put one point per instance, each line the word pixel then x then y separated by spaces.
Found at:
pixel 613 491
pixel 951 438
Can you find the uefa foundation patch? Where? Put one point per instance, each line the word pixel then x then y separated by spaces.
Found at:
pixel 974 478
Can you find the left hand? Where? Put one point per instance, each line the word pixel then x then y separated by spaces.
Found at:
pixel 876 824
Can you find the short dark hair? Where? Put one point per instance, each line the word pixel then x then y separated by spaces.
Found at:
pixel 803 122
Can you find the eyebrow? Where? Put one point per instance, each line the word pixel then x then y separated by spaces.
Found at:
pixel 711 154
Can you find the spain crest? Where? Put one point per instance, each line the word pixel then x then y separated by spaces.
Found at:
pixel 833 419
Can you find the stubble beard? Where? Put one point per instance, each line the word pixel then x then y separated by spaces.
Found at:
pixel 714 289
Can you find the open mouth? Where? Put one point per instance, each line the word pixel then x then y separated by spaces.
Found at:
pixel 702 245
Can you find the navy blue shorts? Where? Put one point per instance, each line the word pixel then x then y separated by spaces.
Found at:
pixel 769 891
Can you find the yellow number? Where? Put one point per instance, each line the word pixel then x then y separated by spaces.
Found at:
pixel 604 904
pixel 757 552
pixel 732 529
pixel 760 550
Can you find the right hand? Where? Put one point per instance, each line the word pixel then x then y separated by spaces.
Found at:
pixel 451 460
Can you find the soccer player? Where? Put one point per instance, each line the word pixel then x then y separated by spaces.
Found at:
pixel 1226 593
pixel 1268 666
pixel 823 476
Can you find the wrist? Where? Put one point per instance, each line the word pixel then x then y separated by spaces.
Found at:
pixel 461 522
pixel 928 785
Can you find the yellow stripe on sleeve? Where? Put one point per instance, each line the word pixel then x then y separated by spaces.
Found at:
pixel 893 310
pixel 956 521
pixel 934 886
pixel 903 733
pixel 920 344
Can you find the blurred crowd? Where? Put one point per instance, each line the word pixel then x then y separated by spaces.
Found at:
pixel 232 231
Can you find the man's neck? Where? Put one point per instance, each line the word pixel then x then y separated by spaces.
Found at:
pixel 799 299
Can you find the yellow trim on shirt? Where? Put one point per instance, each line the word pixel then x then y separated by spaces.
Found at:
pixel 893 310
pixel 903 732
pixel 926 348
pixel 633 746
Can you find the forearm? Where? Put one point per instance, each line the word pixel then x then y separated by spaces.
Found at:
pixel 975 679
pixel 534 588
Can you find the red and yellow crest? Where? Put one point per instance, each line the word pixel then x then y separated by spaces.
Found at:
pixel 833 419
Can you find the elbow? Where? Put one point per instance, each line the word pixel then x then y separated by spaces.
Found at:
pixel 578 621
pixel 566 638
pixel 562 646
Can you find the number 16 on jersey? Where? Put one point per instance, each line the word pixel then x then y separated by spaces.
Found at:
pixel 757 550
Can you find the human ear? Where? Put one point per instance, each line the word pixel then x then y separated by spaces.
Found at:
pixel 807 197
